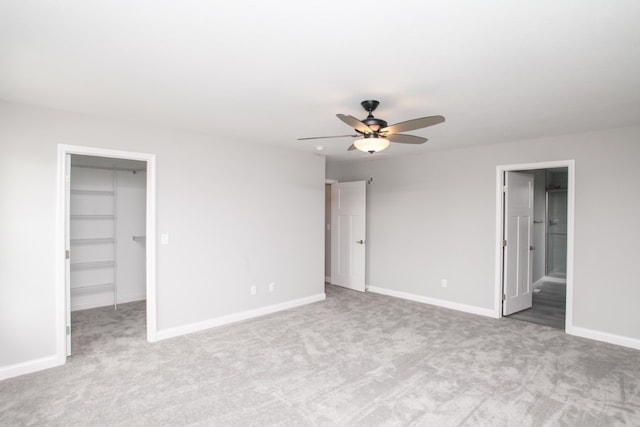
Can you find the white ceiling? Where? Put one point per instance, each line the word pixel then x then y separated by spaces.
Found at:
pixel 274 71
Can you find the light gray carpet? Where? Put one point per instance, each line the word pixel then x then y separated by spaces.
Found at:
pixel 352 360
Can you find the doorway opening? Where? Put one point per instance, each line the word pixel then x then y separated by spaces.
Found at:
pixel 107 249
pixel 106 229
pixel 345 219
pixel 534 280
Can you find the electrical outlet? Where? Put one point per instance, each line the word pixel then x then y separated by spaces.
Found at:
pixel 254 290
pixel 444 283
pixel 272 286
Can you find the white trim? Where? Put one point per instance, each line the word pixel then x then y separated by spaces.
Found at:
pixel 61 306
pixel 30 366
pixel 549 279
pixel 60 262
pixel 557 280
pixel 570 165
pixel 236 317
pixel 433 301
pixel 150 245
pixel 497 308
pixel 538 283
pixel 604 337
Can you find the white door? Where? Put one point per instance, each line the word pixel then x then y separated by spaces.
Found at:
pixel 67 246
pixel 348 224
pixel 518 228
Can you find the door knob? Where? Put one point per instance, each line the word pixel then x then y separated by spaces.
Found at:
pixel 360 241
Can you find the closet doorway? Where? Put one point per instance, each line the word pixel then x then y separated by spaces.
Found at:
pixel 107 229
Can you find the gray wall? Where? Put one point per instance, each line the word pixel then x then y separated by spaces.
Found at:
pixel 432 216
pixel 237 215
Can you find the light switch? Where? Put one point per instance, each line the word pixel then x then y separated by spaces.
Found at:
pixel 164 239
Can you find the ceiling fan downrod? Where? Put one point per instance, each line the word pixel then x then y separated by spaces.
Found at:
pixel 374 124
pixel 370 105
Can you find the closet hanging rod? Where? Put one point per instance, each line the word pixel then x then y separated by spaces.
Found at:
pixel 110 168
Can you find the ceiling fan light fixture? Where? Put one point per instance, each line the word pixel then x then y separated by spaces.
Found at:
pixel 371 143
pixel 375 134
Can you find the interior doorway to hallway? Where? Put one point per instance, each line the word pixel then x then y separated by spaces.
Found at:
pixel 345 234
pixel 535 243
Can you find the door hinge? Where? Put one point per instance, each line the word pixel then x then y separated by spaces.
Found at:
pixel 68 330
pixel 67 254
pixel 504 243
pixel 504 297
pixel 504 188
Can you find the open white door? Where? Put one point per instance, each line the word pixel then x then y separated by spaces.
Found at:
pixel 348 225
pixel 67 246
pixel 518 228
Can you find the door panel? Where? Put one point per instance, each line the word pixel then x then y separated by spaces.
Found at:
pixel 348 218
pixel 518 228
pixel 524 267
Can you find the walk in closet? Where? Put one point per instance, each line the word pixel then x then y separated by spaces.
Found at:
pixel 107 231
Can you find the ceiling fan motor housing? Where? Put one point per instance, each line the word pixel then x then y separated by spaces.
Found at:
pixel 374 124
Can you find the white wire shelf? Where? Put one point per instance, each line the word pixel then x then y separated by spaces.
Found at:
pixel 99 287
pixel 93 265
pixel 93 241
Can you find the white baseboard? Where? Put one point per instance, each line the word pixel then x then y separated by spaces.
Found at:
pixel 236 317
pixel 434 301
pixel 131 298
pixel 538 283
pixel 558 280
pixel 29 366
pixel 604 337
pixel 549 279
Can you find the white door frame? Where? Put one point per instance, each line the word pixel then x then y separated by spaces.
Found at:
pixel 351 281
pixel 327 279
pixel 500 170
pixel 62 214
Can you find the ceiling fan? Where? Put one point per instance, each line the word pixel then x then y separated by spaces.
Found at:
pixel 375 135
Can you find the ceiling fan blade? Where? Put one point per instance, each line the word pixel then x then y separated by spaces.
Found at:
pixel 327 137
pixel 351 148
pixel 406 139
pixel 414 124
pixel 355 123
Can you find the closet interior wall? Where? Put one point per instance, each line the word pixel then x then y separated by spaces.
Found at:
pixel 107 230
pixel 557 181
